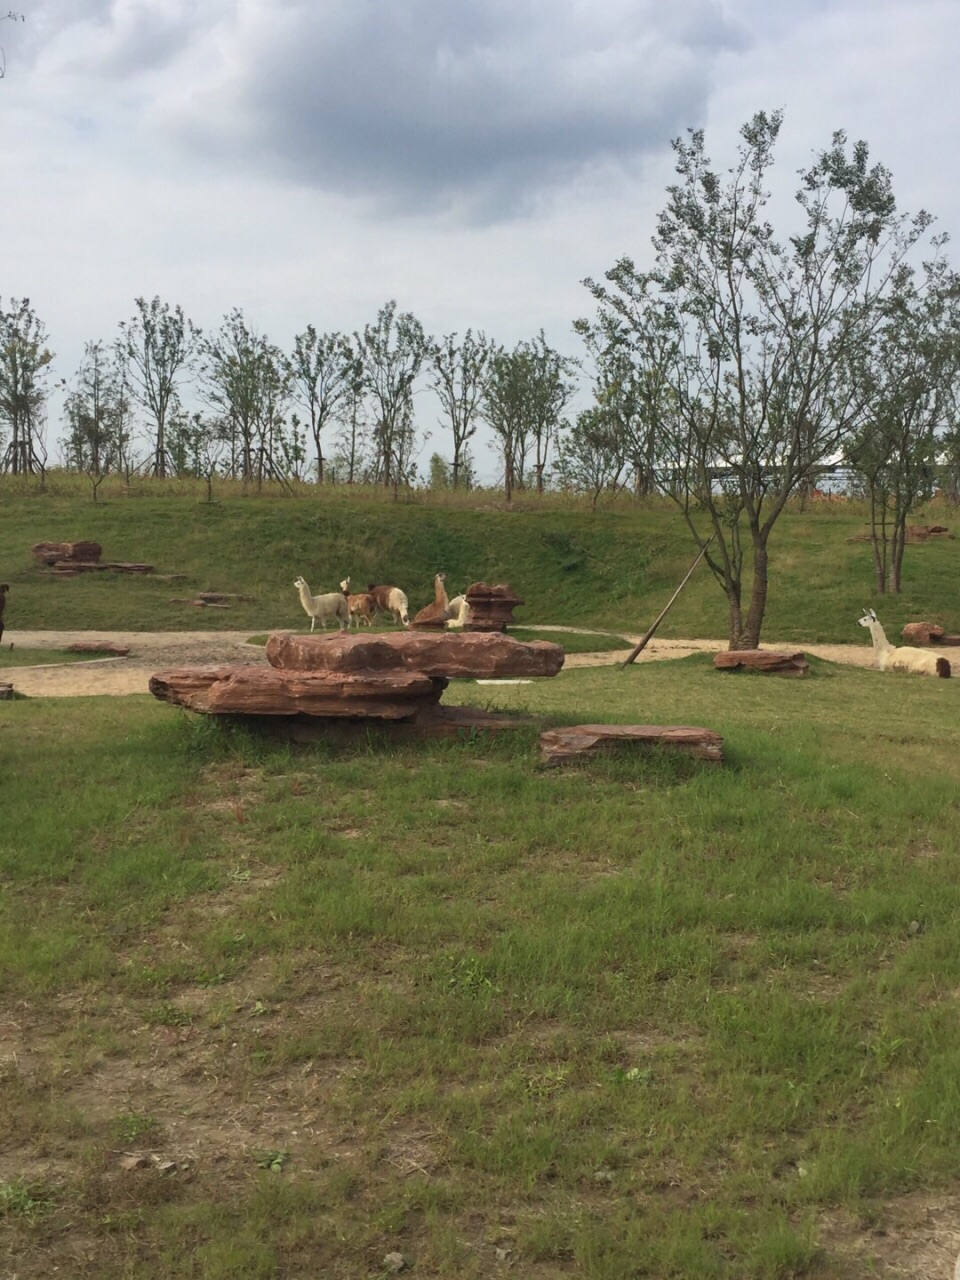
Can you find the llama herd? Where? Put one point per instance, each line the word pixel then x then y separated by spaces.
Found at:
pixel 348 609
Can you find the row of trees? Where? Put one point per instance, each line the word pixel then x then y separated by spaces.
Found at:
pixel 266 414
pixel 729 374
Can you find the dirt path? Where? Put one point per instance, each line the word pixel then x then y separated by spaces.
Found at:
pixel 152 651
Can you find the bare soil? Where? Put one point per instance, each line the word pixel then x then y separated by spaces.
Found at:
pixel 152 651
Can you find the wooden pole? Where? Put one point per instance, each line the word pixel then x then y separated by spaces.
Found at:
pixel 666 609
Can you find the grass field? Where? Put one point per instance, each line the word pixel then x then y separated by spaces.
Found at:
pixel 613 569
pixel 283 1012
pixel 279 1012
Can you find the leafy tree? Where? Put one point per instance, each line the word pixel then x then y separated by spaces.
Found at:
pixel 591 455
pixel 459 378
pixel 97 412
pixel 760 342
pixel 393 351
pixel 24 367
pixel 320 370
pixel 524 396
pixel 158 344
pixel 912 374
pixel 246 382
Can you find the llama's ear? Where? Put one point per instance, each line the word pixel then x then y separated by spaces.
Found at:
pixel 873 615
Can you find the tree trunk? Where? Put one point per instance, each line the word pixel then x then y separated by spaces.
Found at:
pixel 758 594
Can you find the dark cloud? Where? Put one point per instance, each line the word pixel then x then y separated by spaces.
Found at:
pixel 436 103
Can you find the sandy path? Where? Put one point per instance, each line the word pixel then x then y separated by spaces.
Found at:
pixel 152 651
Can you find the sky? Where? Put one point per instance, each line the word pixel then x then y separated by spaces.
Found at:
pixel 306 161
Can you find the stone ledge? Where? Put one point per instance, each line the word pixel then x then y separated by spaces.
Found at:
pixel 557 746
pixel 778 664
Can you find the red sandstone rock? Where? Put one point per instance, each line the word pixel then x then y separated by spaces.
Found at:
pixel 780 664
pixel 557 746
pixel 922 633
pixel 451 655
pixel 491 608
pixel 252 689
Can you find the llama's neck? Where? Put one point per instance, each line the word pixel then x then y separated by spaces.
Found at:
pixel 306 598
pixel 440 593
pixel 879 638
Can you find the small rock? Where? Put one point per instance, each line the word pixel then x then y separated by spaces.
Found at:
pixel 395 1262
pixel 603 1175
pixel 503 1255
pixel 128 1163
pixel 914 927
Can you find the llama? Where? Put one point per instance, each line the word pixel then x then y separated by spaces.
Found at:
pixel 363 607
pixel 905 658
pixel 435 614
pixel 458 612
pixel 393 601
pixel 333 605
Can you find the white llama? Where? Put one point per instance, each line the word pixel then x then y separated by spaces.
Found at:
pixel 905 658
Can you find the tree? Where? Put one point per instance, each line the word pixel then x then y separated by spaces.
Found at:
pixel 459 378
pixel 393 352
pixel 10 16
pixel 97 411
pixel 320 370
pixel 524 395
pixel 24 367
pixel 591 455
pixel 760 343
pixel 158 344
pixel 246 381
pixel 911 372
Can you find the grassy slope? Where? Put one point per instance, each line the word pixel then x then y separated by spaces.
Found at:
pixel 611 569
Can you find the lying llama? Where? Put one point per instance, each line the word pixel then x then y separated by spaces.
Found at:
pixel 393 601
pixel 458 612
pixel 904 658
pixel 333 605
pixel 363 607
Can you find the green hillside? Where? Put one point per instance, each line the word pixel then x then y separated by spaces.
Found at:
pixel 610 569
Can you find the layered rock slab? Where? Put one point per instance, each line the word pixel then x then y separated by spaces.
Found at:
pixel 254 690
pixel 458 656
pixel 558 746
pixel 764 660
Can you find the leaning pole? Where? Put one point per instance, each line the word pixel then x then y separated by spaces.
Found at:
pixel 666 608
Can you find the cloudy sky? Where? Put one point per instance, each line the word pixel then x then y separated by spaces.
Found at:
pixel 307 160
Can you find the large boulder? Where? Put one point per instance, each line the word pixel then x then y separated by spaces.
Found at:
pixel 451 656
pixel 255 690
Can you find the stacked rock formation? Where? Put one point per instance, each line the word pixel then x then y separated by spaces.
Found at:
pixel 394 676
pixel 491 608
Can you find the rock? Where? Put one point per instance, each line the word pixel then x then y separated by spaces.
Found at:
pixel 51 552
pixel 780 664
pixel 557 746
pixel 395 1262
pixel 449 655
pixel 924 532
pixel 252 689
pixel 107 647
pixel 6 692
pixel 922 633
pixel 491 608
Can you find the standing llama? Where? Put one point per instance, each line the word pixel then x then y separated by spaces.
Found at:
pixel 393 601
pixel 904 658
pixel 363 607
pixel 333 606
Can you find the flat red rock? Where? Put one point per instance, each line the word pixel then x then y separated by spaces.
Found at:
pixel 455 655
pixel 557 746
pixel 780 664
pixel 255 690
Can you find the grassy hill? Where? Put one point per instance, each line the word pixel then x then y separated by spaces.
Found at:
pixel 614 568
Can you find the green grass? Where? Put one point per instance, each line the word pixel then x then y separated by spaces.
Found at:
pixel 632 1018
pixel 613 569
